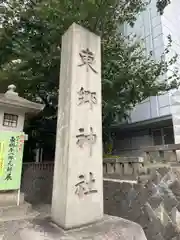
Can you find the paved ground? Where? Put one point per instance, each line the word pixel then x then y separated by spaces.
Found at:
pixel 41 228
pixel 38 212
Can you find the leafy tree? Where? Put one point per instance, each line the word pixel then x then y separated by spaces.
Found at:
pixel 162 4
pixel 30 44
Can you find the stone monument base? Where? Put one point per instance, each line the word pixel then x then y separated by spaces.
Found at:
pixel 110 228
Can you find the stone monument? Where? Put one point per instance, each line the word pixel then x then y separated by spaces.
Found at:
pixel 78 182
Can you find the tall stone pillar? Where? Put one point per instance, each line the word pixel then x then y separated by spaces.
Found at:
pixel 78 183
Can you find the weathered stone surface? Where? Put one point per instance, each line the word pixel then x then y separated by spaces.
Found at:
pixel 10 198
pixel 109 228
pixel 77 196
pixel 155 205
pixel 175 188
pixel 14 211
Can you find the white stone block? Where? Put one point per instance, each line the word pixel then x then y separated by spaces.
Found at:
pixel 78 184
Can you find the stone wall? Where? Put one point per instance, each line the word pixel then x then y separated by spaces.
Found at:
pixel 154 203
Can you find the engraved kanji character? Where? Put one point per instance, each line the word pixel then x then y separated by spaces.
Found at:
pixel 87 58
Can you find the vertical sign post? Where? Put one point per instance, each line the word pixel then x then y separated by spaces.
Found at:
pixel 78 183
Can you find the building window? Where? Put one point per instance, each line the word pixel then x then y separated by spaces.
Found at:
pixel 157 137
pixel 168 135
pixel 163 136
pixel 10 120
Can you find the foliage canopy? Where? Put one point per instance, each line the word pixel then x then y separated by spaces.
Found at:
pixel 30 44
